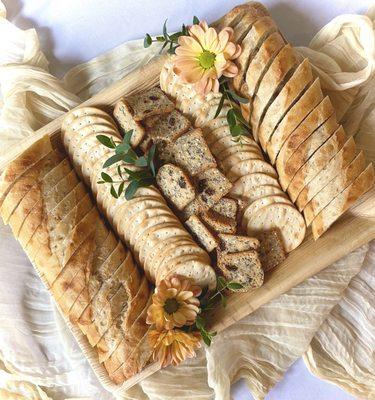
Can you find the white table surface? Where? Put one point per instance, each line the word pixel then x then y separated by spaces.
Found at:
pixel 74 31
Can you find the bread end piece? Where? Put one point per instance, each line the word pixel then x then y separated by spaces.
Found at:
pixel 175 185
pixel 271 250
pixel 242 267
pixel 201 233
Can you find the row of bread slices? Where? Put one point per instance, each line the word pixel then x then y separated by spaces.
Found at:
pixel 146 224
pixel 295 124
pixel 89 272
pixel 264 204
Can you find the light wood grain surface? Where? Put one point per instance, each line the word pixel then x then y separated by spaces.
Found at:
pixel 355 228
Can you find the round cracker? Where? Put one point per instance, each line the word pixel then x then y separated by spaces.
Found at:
pixel 199 271
pixel 217 134
pixel 233 159
pixel 79 112
pixel 250 167
pixel 283 217
pixel 257 204
pixel 149 251
pixel 244 186
pixel 215 123
pixel 229 141
pixel 236 149
pixel 261 191
pixel 160 217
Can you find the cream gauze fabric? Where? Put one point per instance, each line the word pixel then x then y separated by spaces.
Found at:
pixel 328 319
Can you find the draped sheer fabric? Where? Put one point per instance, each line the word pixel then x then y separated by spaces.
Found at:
pixel 328 318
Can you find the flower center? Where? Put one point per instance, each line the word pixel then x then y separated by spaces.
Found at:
pixel 171 306
pixel 207 59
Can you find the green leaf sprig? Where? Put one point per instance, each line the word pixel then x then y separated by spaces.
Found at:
pixel 170 41
pixel 209 302
pixel 238 126
pixel 124 153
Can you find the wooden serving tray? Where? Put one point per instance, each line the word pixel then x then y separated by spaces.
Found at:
pixel 355 228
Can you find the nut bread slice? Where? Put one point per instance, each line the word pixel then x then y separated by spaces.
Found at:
pixel 167 126
pixel 148 103
pixel 124 117
pixel 237 243
pixel 219 223
pixel 243 267
pixel 201 233
pixel 192 153
pixel 175 185
pixel 271 250
pixel 211 186
pixel 227 207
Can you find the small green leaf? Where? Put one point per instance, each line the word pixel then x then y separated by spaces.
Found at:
pixel 163 47
pixel 195 20
pixel 206 338
pixel 100 182
pixel 150 159
pixel 122 148
pixel 231 117
pixel 131 190
pixel 184 30
pixel 113 192
pixel 127 137
pixel 237 98
pixel 220 106
pixel 221 283
pixel 160 38
pixel 165 33
pixel 239 116
pixel 106 177
pixel 223 301
pixel 234 286
pixel 147 41
pixel 236 130
pixel 199 322
pixel 112 160
pixel 106 141
pixel 172 50
pixel 141 162
pixel 144 182
pixel 120 189
pixel 119 172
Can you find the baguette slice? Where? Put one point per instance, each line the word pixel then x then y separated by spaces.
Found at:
pixel 306 150
pixel 289 94
pixel 312 122
pixel 25 161
pixel 201 233
pixel 259 29
pixel 236 243
pixel 293 118
pixel 316 163
pixel 273 80
pixel 175 185
pixel 363 183
pixel 333 188
pixel 242 267
pixel 330 171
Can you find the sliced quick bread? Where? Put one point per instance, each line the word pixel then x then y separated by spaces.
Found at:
pixel 219 223
pixel 236 243
pixel 148 103
pixel 175 185
pixel 124 117
pixel 192 153
pixel 167 126
pixel 211 185
pixel 227 207
pixel 243 267
pixel 271 250
pixel 201 233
